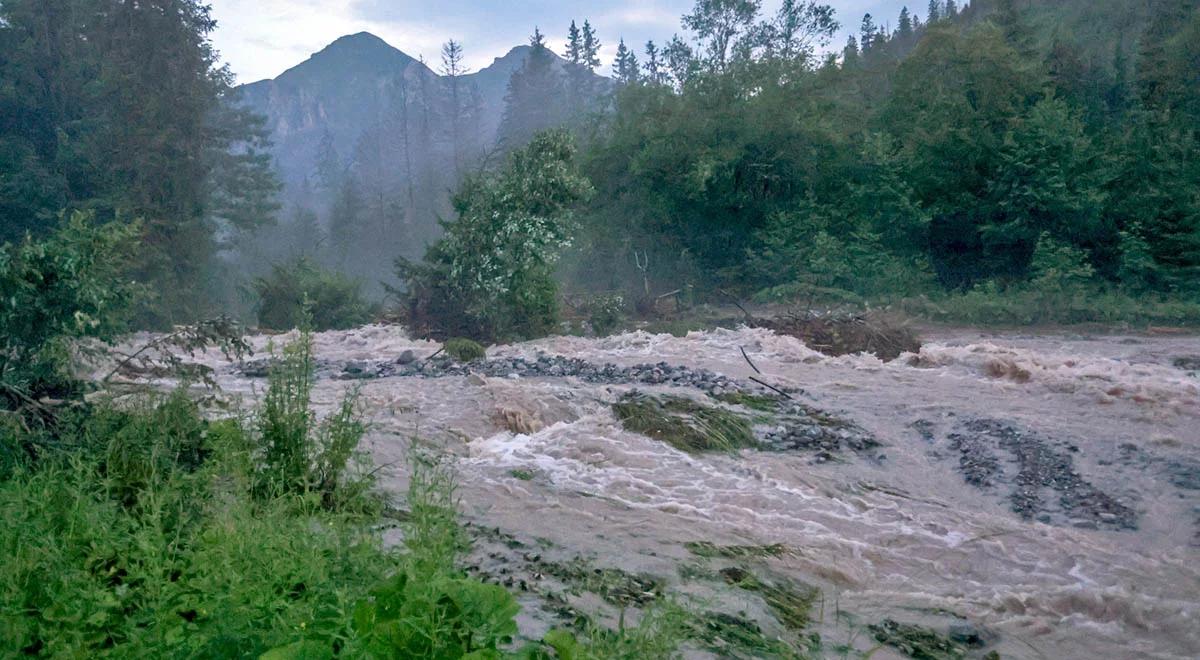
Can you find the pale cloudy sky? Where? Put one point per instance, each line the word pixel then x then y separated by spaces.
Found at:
pixel 262 38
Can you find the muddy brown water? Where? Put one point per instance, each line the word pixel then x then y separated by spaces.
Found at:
pixel 1044 489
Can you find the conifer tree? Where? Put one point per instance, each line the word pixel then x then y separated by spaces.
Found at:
pixel 591 47
pixel 850 53
pixel 905 31
pixel 867 32
pixel 534 101
pixel 654 66
pixel 951 9
pixel 574 52
pixel 935 12
pixel 625 67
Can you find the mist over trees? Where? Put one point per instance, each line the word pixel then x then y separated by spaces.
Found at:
pixel 89 121
pixel 931 155
pixel 954 153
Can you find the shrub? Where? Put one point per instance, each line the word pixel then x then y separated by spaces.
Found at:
pixel 53 292
pixel 605 312
pixel 684 424
pixel 334 301
pixel 298 455
pixel 464 350
pixel 490 277
pixel 146 541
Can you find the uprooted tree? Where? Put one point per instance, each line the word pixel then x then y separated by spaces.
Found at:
pixel 490 277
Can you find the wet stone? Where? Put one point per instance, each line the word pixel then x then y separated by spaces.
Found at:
pixel 1040 470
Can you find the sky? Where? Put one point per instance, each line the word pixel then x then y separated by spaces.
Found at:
pixel 263 38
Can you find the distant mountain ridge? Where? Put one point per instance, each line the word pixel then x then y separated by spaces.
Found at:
pixel 343 89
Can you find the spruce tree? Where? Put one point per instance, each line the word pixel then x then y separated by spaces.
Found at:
pixel 534 101
pixel 935 12
pixel 654 67
pixel 625 66
pixel 905 31
pixel 850 53
pixel 574 52
pixel 867 32
pixel 951 9
pixel 591 47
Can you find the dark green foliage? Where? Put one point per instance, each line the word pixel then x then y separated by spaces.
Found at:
pixel 916 641
pixel 300 287
pixel 791 602
pixel 604 313
pixel 931 161
pixel 144 540
pixel 490 276
pixel 53 291
pixel 121 107
pixel 535 98
pixel 464 350
pixel 684 424
pixel 298 455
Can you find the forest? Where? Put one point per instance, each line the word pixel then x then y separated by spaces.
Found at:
pixel 993 164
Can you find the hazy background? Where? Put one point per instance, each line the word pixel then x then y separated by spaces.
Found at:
pixel 262 38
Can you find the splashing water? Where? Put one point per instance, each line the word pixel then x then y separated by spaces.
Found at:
pixel 894 532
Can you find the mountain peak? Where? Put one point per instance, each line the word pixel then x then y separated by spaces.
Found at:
pixel 362 44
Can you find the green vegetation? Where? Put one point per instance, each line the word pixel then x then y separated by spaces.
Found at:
pixel 916 641
pixel 300 289
pixel 711 550
pixel 299 455
pixel 122 109
pixel 146 538
pixel 490 277
pixel 464 350
pixel 605 312
pixel 751 401
pixel 523 475
pixel 791 602
pixel 53 291
pixel 731 636
pixel 994 164
pixel 683 423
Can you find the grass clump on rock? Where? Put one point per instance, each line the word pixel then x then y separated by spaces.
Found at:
pixel 917 641
pixel 684 423
pixel 790 602
pixel 464 350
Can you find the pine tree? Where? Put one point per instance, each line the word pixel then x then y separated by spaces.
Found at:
pixel 591 47
pixel 328 166
pixel 654 67
pixel 345 221
pixel 850 53
pixel 1010 21
pixel 951 9
pixel 867 32
pixel 625 66
pixel 452 71
pixel 935 12
pixel 905 31
pixel 534 101
pixel 574 52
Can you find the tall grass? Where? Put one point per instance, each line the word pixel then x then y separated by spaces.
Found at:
pixel 149 542
pixel 151 532
pixel 301 456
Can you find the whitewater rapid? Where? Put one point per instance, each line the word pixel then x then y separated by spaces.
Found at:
pixel 895 532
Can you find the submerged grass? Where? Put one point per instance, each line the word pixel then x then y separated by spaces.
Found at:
pixel 751 401
pixel 917 642
pixel 791 602
pixel 684 424
pixel 711 550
